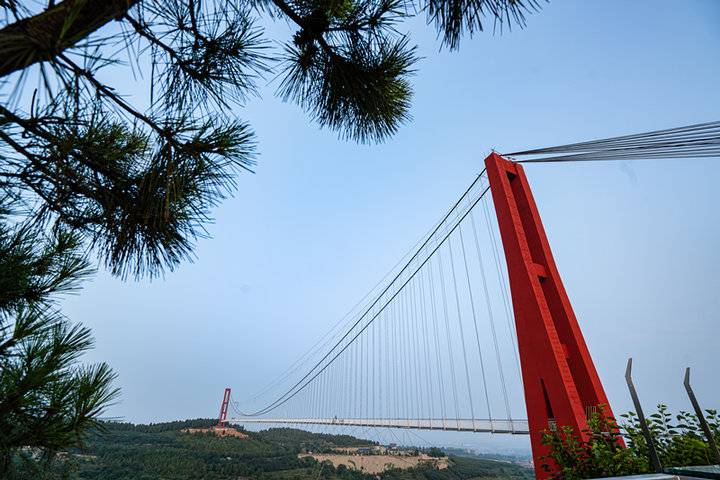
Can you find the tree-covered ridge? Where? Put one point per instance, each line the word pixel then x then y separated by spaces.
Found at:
pixel 303 440
pixel 162 426
pixel 127 451
pixel 124 451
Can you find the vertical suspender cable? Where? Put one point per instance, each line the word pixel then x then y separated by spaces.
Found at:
pixel 416 351
pixel 397 357
pixel 366 360
pixel 474 317
pixel 491 317
pixel 373 366
pixel 462 333
pixel 436 336
pixel 449 341
pixel 403 357
pixel 503 288
pixel 426 345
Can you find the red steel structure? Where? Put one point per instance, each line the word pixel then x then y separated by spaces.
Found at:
pixel 224 408
pixel 561 384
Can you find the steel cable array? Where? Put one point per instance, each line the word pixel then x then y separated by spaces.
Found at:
pixel 692 141
pixel 393 361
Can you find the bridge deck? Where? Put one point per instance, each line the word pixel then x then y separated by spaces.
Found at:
pixel 517 427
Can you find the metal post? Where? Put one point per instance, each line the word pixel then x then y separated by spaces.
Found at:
pixel 652 453
pixel 701 418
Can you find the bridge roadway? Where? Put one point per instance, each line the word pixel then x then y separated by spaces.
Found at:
pixel 517 427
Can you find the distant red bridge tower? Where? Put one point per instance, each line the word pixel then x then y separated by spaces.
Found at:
pixel 224 408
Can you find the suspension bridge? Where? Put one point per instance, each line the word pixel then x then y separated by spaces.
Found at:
pixel 473 329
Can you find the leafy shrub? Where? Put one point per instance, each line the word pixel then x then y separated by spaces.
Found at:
pixel 678 444
pixel 602 455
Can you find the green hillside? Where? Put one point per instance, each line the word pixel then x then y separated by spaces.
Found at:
pixel 162 451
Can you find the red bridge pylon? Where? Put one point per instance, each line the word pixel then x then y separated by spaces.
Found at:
pixel 562 387
pixel 224 408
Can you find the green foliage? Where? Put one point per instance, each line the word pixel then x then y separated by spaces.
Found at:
pixel 453 18
pixel 678 444
pixel 137 182
pixel 160 451
pixel 462 468
pixel 126 451
pixel 48 401
pixel 301 440
pixel 360 85
pixel 30 275
pixel 435 452
pixel 679 441
pixel 163 426
pixel 602 455
pixel 213 52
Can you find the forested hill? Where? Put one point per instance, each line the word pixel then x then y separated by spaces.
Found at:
pixel 301 440
pixel 161 451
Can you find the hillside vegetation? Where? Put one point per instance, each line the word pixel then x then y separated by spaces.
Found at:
pixel 161 451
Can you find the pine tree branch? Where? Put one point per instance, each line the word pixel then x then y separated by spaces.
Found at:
pixel 107 92
pixel 38 163
pixel 287 10
pixel 143 32
pixel 305 25
pixel 43 36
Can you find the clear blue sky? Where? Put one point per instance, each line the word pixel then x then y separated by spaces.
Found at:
pixel 323 219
